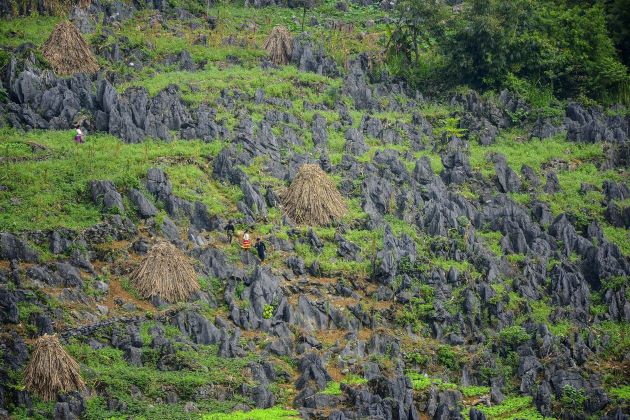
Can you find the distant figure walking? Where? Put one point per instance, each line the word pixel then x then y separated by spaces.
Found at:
pixel 78 138
pixel 260 248
pixel 246 243
pixel 229 230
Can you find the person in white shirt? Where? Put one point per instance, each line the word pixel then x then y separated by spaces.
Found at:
pixel 246 241
pixel 78 138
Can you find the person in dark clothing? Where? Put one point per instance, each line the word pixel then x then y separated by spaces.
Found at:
pixel 260 248
pixel 229 230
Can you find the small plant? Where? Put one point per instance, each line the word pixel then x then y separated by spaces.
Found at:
pixel 422 381
pixel 448 358
pixel 419 382
pixel 268 311
pixel 615 283
pixel 332 388
pixel 514 335
pixel 417 358
pixel 573 399
pixel 354 380
pixel 622 392
pixel 240 288
pixel 256 414
pixel 474 391
pixel 514 407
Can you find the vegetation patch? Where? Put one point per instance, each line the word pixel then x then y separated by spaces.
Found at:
pixel 256 414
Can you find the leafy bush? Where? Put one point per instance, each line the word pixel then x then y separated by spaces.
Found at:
pixel 474 391
pixel 268 311
pixel 421 382
pixel 256 414
pixel 417 358
pixel 448 358
pixel 512 407
pixel 513 336
pixel 622 392
pixel 573 399
pixel 332 388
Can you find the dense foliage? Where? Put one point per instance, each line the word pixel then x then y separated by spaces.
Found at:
pixel 567 47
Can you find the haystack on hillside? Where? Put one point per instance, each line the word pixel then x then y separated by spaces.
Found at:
pixel 51 369
pixel 165 272
pixel 67 52
pixel 312 198
pixel 279 45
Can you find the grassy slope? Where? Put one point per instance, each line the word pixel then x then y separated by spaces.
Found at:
pixel 52 192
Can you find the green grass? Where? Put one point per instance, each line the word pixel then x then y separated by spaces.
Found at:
pixel 512 408
pixel 206 85
pixel 41 410
pixel 619 338
pixel 561 329
pixel 52 191
pixel 25 309
pixel 519 151
pixel 474 391
pixel 34 29
pixel 248 28
pixel 619 237
pixel 585 207
pixel 422 382
pixel 330 263
pixel 622 392
pixel 514 335
pixel 354 380
pixel 106 369
pixel 579 165
pixel 332 388
pixel 256 414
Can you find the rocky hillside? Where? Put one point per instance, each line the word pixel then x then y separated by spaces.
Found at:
pixel 482 270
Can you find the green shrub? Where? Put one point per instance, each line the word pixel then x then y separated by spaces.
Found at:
pixel 513 336
pixel 421 382
pixel 256 414
pixel 573 399
pixel 474 391
pixel 417 358
pixel 332 388
pixel 268 311
pixel 622 392
pixel 448 358
pixel 512 407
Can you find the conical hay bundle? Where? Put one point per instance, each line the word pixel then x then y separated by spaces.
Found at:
pixel 67 52
pixel 165 272
pixel 51 369
pixel 312 198
pixel 279 45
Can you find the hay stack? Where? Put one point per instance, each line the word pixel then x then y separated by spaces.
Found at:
pixel 67 52
pixel 279 45
pixel 51 369
pixel 165 272
pixel 312 198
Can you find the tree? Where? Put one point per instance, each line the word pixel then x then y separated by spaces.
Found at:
pixel 546 43
pixel 417 23
pixel 560 46
pixel 618 17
